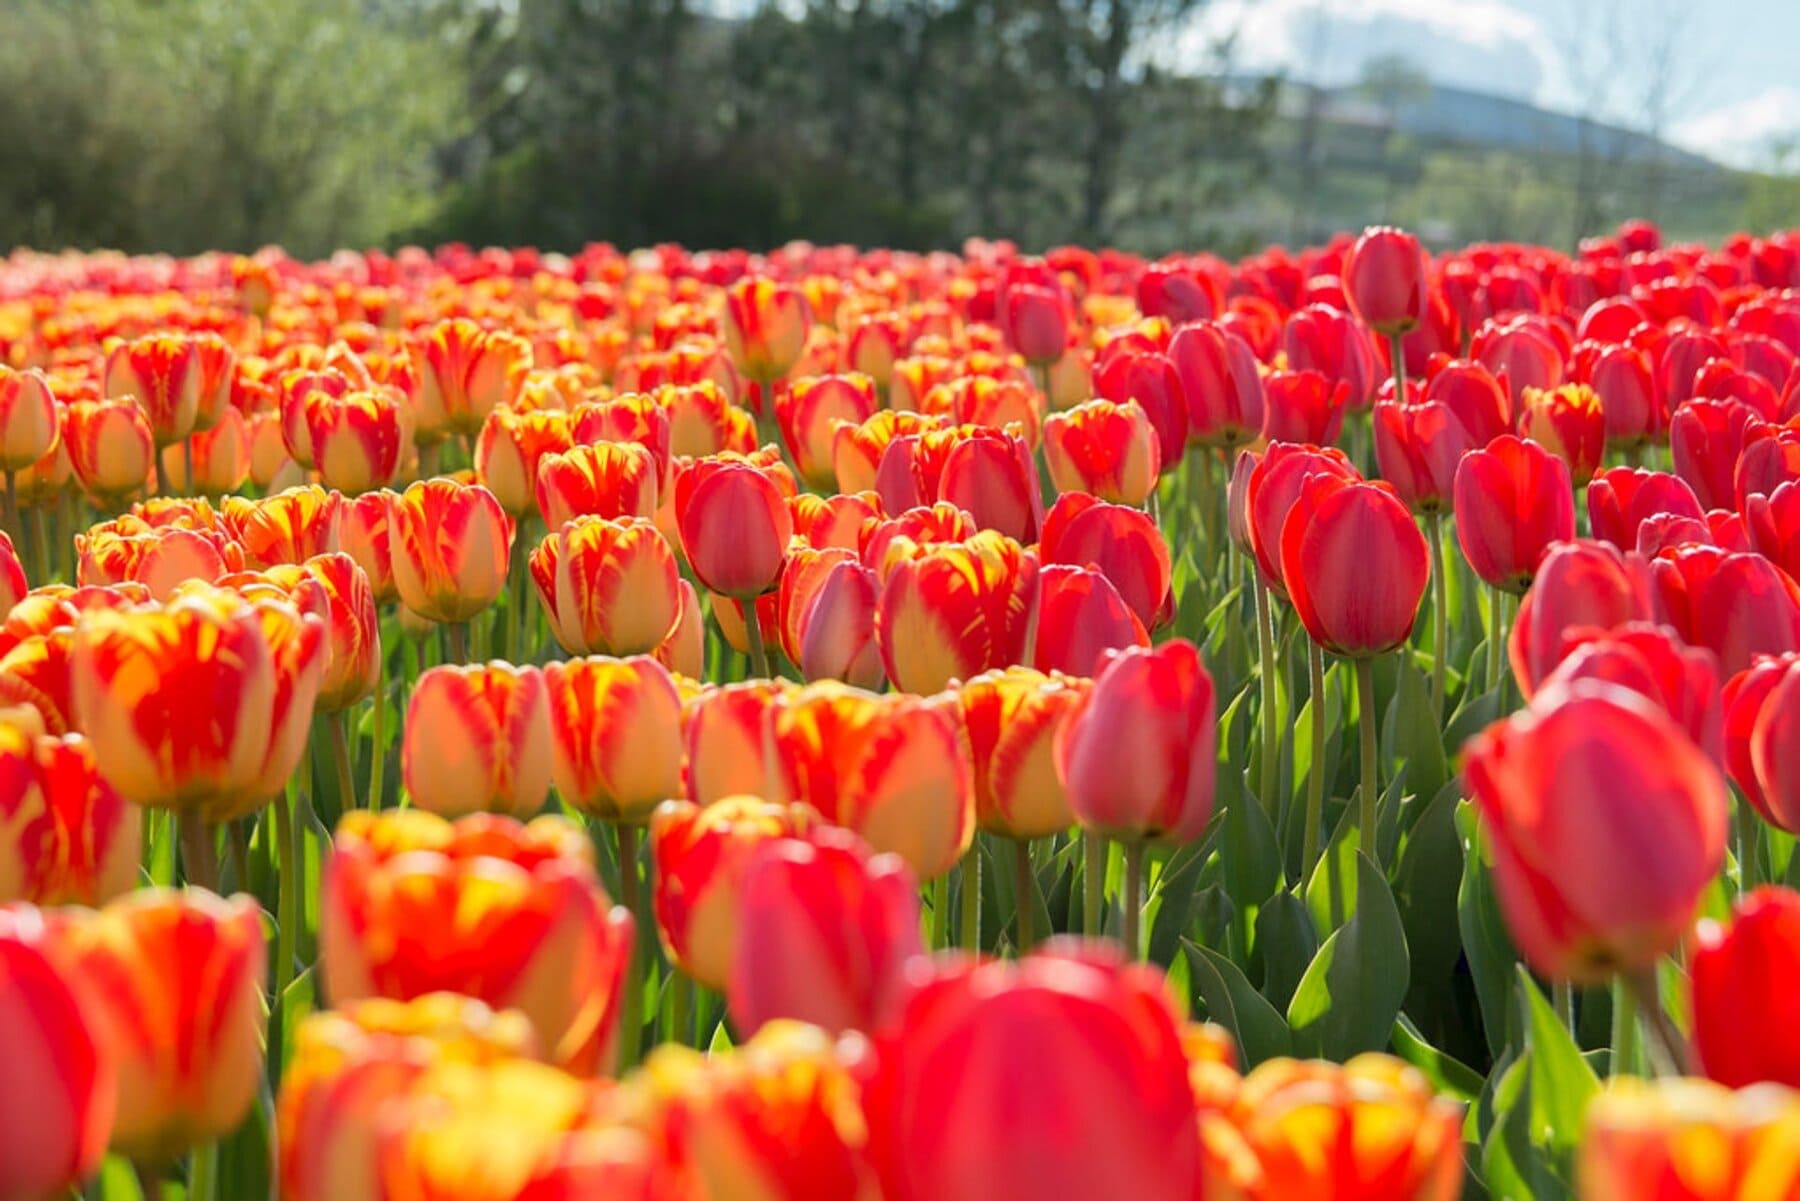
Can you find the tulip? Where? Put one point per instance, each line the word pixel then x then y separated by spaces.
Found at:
pixel 29 425
pixel 219 457
pixel 611 480
pixel 1568 422
pixel 512 915
pixel 1773 752
pixel 347 1066
pixel 1742 975
pixel 734 526
pixel 1738 605
pixel 895 769
pixel 176 979
pixel 1512 502
pixel 110 447
pixel 1688 1139
pixel 1151 380
pixel 289 527
pixel 608 587
pixel 1652 661
pixel 1370 1128
pixel 1479 400
pixel 1418 448
pixel 352 631
pixel 826 612
pixel 13 585
pixel 1037 318
pixel 1579 583
pixel 954 610
pixel 1000 404
pixel 952 1117
pixel 1220 385
pixel 356 439
pixel 701 856
pixel 36 674
pixel 704 421
pixel 1303 406
pixel 1123 543
pixel 465 372
pixel 478 738
pixel 1705 440
pixel 808 412
pixel 729 736
pixel 638 419
pixel 1772 526
pixel 1769 459
pixel 1080 617
pixel 1524 352
pixel 1273 488
pixel 837 520
pixel 1384 280
pixel 1743 701
pixel 1606 824
pixel 684 650
pixel 364 537
pixel 765 325
pixel 162 373
pixel 60 1087
pixel 1621 500
pixel 616 736
pixel 451 545
pixel 1355 566
pixel 510 448
pixel 857 450
pixel 885 541
pixel 1107 449
pixel 1014 716
pixel 875 341
pixel 1621 377
pixel 1321 338
pixel 66 836
pixel 990 476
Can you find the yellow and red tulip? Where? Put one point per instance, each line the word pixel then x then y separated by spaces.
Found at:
pixel 29 423
pixel 616 735
pixel 1107 449
pixel 451 545
pixel 478 738
pixel 110 447
pixel 952 611
pixel 609 479
pixel 66 836
pixel 608 587
pixel 1013 716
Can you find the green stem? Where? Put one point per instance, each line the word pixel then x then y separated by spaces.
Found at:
pixel 1440 615
pixel 1026 890
pixel 457 634
pixel 1564 1000
pixel 940 912
pixel 1668 1049
pixel 681 988
pixel 15 529
pixel 199 857
pixel 1624 1030
pixel 1207 498
pixel 630 1019
pixel 1365 720
pixel 1315 779
pixel 162 474
pixel 971 898
pixel 40 544
pixel 203 1173
pixel 287 918
pixel 1093 880
pixel 759 654
pixel 1134 897
pixel 1271 738
pixel 517 597
pixel 377 749
pixel 1496 634
pixel 1396 345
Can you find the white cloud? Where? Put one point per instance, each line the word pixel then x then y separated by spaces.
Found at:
pixel 1744 132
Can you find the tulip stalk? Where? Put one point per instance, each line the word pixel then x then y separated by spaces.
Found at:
pixel 1440 610
pixel 1093 882
pixel 1315 779
pixel 759 654
pixel 1624 1030
pixel 630 1021
pixel 1206 497
pixel 456 638
pixel 1271 739
pixel 1134 898
pixel 14 527
pixel 339 724
pixel 377 749
pixel 1365 698
pixel 1667 1046
pixel 199 858
pixel 1026 892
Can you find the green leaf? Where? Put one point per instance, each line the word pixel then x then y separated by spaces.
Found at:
pixel 1251 856
pixel 1446 1073
pixel 1232 1003
pixel 1412 735
pixel 1485 942
pixel 1352 992
pixel 1331 893
pixel 1512 1167
pixel 117 1181
pixel 1425 888
pixel 1561 1080
pixel 1176 894
pixel 1286 942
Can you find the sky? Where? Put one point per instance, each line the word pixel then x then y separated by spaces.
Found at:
pixel 1729 76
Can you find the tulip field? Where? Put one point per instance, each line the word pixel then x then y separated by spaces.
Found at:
pixel 836 725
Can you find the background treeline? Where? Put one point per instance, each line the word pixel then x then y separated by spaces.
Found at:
pixel 182 125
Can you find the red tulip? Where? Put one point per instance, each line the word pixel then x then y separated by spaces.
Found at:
pixel 1080 617
pixel 289 527
pixel 1523 352
pixel 1606 824
pixel 1303 406
pixel 1107 449
pixel 991 477
pixel 356 439
pixel 1513 503
pixel 1124 544
pixel 1746 1010
pixel 1327 340
pixel 1689 1139
pixel 1355 565
pixel 465 372
pixel 951 611
pixel 1479 400
pixel 1153 709
pixel 1737 605
pixel 974 1091
pixel 1272 490
pixel 1151 380
pixel 1621 500
pixel 1769 459
pixel 1384 279
pixel 162 372
pixel 364 536
pixel 1579 583
pixel 765 325
pixel 1705 439
pixel 826 608
pixel 1418 448
pixel 1181 294
pixel 834 930
pixel 1568 422
pixel 1220 384
pixel 1744 699
pixel 1775 754
pixel 1037 318
pixel 735 527
pixel 1621 377
pixel 1772 526
pixel 1650 660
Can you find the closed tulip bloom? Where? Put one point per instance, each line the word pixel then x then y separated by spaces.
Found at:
pixel 478 738
pixel 110 445
pixel 176 979
pixel 701 856
pixel 837 520
pixel 965 1102
pixel 58 1093
pixel 356 439
pixel 1513 502
pixel 1689 1139
pixel 13 585
pixel 1107 449
pixel 1743 1000
pixel 1080 617
pixel 1568 422
pixel 1621 377
pixel 991 476
pixel 1769 459
pixel 952 611
pixel 1479 400
pixel 734 526
pixel 38 673
pixel 608 587
pixel 364 536
pixel 728 733
pixel 616 736
pixel 684 650
pixel 1155 710
pixel 29 423
pixel 1273 490
pixel 1418 448
pixel 857 450
pixel 509 449
pixel 1014 716
pixel 178 703
pixel 1705 439
pixel 1621 500
pixel 1220 384
pixel 1384 280
pixel 346 604
pixel 1328 340
pixel 464 373
pixel 1652 661
pixel 162 372
pixel 451 546
pixel 1738 605
pixel 1579 583
pixel 1151 380
pixel 1303 406
pixel 896 769
pixel 609 479
pixel 1356 566
pixel 765 325
pixel 66 836
pixel 636 418
pixel 1772 526
pixel 348 1065
pixel 512 915
pixel 1037 318
pixel 1237 502
pixel 808 412
pixel 1775 753
pixel 1574 793
pixel 1743 700
pixel 1524 352
pixel 826 608
pixel 220 456
pixel 289 527
pixel 1122 542
pixel 1371 1129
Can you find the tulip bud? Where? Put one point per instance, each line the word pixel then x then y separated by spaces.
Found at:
pixel 162 373
pixel 478 738
pixel 1579 583
pixel 616 736
pixel 1014 717
pixel 110 445
pixel 451 545
pixel 29 425
pixel 729 736
pixel 465 372
pixel 1512 503
pixel 1688 1139
pixel 765 325
pixel 1081 617
pixel 1355 565
pixel 952 611
pixel 1569 422
pixel 1220 384
pixel 608 587
pixel 1384 279
pixel 510 448
pixel 66 836
pixel 808 412
pixel 1742 977
pixel 1107 449
pixel 289 527
pixel 611 480
pixel 735 527
pixel 356 439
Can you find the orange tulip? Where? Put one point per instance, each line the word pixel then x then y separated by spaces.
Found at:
pixel 1369 1130
pixel 478 738
pixel 896 769
pixel 295 634
pixel 348 1066
pixel 684 650
pixel 509 449
pixel 835 520
pixel 615 727
pixel 464 372
pixel 610 479
pixel 357 438
pixel 289 527
pixel 451 545
pixel 177 982
pixel 704 421
pixel 364 534
pixel 1107 449
pixel 220 455
pixel 857 450
pixel 826 612
pixel 59 1089
pixel 162 373
pixel 29 424
pixel 66 836
pixel 346 604
pixel 729 737
pixel 808 412
pixel 1569 422
pixel 608 587
pixel 1689 1140
pixel 765 326
pixel 700 856
pixel 735 527
pixel 512 915
pixel 952 611
pixel 110 445
pixel 1013 716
